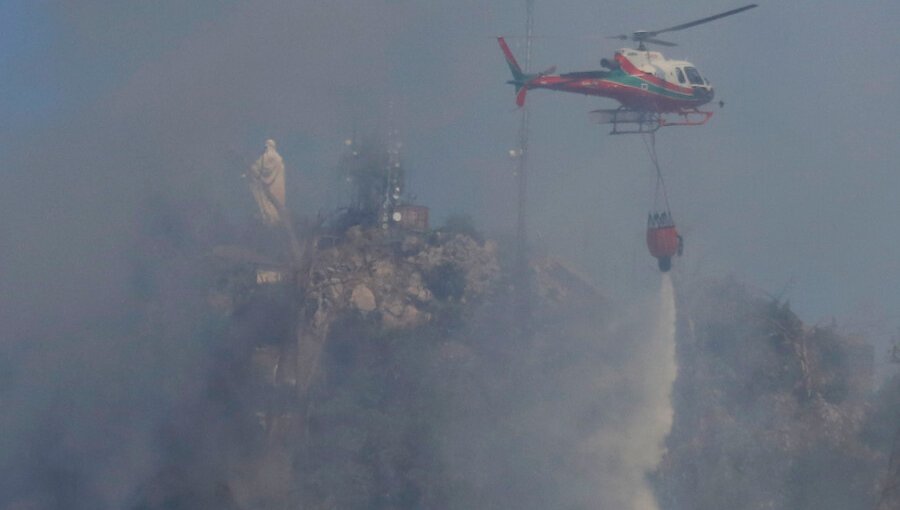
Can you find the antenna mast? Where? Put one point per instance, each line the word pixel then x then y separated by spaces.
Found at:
pixel 394 178
pixel 521 270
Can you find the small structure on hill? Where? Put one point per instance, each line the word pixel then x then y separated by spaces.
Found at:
pixel 411 217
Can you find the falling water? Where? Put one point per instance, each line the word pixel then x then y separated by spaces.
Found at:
pixel 630 441
pixel 655 418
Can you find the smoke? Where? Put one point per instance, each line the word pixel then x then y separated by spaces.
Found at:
pixel 631 449
pixel 577 420
pixel 112 201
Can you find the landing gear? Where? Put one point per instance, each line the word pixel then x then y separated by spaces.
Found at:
pixel 626 121
pixel 688 118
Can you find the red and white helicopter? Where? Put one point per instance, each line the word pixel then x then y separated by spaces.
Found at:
pixel 653 91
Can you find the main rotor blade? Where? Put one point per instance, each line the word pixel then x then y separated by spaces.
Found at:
pixel 700 21
pixel 660 42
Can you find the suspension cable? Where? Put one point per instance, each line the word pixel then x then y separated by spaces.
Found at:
pixel 660 182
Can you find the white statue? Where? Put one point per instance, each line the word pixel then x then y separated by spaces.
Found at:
pixel 267 174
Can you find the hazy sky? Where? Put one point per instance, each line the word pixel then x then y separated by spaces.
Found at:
pixel 791 187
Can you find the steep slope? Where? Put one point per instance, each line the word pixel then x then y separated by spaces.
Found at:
pixel 768 411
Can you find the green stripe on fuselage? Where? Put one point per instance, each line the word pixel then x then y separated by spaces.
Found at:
pixel 628 80
pixel 578 75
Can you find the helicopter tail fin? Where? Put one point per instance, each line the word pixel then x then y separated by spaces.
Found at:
pixel 520 79
pixel 518 75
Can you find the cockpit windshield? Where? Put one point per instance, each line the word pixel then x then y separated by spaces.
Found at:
pixel 693 76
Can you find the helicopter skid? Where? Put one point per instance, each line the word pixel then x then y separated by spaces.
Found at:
pixel 687 118
pixel 625 121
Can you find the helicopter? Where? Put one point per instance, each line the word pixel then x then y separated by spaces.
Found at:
pixel 653 91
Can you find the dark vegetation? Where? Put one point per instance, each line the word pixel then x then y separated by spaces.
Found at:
pixel 446 281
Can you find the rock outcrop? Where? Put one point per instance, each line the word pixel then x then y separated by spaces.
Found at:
pixel 397 280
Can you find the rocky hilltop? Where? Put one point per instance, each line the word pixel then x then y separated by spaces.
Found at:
pixel 389 369
pixel 398 279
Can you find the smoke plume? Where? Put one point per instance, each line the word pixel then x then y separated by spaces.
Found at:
pixel 632 448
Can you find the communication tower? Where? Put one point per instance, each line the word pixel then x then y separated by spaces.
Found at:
pixel 520 155
pixel 393 181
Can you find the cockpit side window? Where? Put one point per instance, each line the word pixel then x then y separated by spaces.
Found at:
pixel 680 75
pixel 693 75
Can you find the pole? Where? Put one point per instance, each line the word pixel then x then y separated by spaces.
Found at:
pixel 522 273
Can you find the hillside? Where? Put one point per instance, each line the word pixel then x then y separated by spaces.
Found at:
pixel 393 374
pixel 389 371
pixel 769 411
